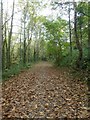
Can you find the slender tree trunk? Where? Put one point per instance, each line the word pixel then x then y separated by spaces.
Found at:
pixel 1 41
pixel 36 46
pixel 20 49
pixel 37 49
pixel 34 51
pixel 1 38
pixel 3 56
pixel 80 34
pixel 70 32
pixel 2 20
pixel 89 31
pixel 3 48
pixel 77 39
pixel 88 81
pixel 29 42
pixel 20 44
pixel 9 37
pixel 24 57
pixel 28 48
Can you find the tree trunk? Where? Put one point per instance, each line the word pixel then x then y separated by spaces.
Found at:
pixel 89 31
pixel 4 46
pixel 20 49
pixel 88 81
pixel 20 44
pixel 80 34
pixel 2 40
pixel 78 63
pixel 29 42
pixel 24 57
pixel 9 38
pixel 34 52
pixel 70 32
pixel 1 37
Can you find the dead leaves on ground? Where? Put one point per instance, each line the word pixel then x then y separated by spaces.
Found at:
pixel 42 92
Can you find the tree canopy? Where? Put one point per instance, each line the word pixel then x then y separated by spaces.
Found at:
pixel 30 34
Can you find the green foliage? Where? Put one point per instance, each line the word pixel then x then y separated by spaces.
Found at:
pixel 56 32
pixel 14 70
pixel 56 28
pixel 82 8
pixel 68 60
pixel 46 39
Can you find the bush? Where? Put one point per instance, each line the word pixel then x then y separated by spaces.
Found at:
pixel 14 70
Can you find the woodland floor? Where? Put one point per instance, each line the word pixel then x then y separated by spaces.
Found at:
pixel 44 91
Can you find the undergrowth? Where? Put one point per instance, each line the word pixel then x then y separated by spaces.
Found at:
pixel 14 70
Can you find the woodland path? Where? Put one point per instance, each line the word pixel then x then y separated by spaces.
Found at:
pixel 44 91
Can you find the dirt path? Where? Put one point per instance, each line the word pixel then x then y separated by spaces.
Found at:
pixel 44 91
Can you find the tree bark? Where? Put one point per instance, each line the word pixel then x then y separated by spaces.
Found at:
pixel 70 31
pixel 34 52
pixel 29 42
pixel 9 38
pixel 20 49
pixel 1 37
pixel 80 34
pixel 88 81
pixel 24 57
pixel 2 41
pixel 89 31
pixel 78 63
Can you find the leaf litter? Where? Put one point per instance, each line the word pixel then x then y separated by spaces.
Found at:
pixel 44 92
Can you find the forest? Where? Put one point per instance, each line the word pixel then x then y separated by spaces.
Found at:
pixel 63 38
pixel 44 34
